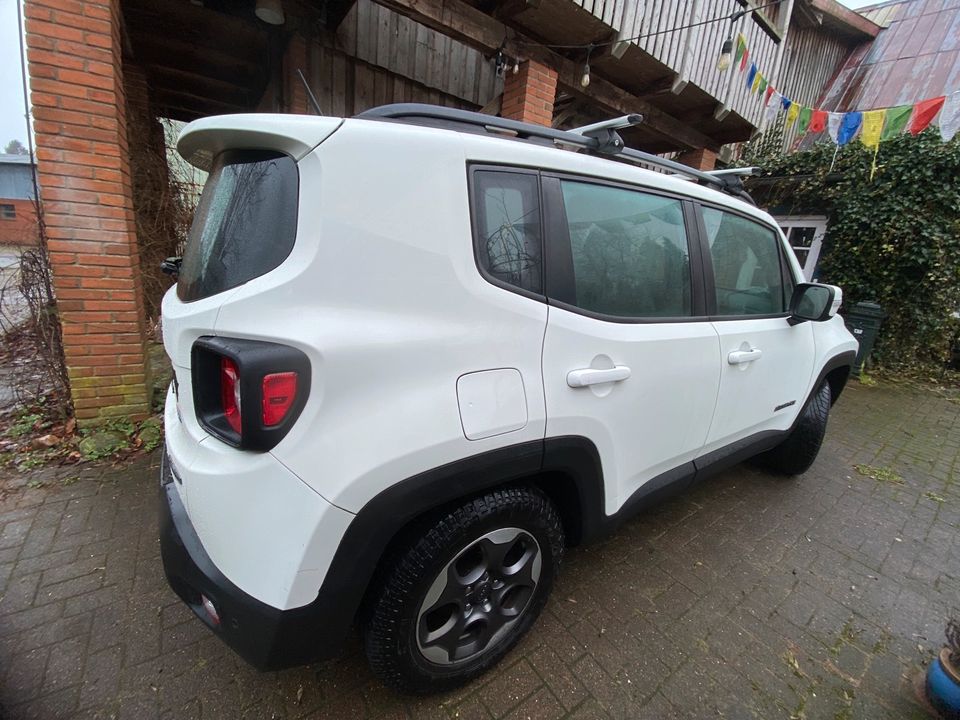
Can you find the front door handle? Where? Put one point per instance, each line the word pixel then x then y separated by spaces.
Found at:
pixel 593 376
pixel 739 357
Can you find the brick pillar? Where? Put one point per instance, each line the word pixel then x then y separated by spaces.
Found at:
pixel 528 96
pixel 74 57
pixel 701 159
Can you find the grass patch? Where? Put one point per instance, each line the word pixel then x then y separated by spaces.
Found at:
pixel 881 474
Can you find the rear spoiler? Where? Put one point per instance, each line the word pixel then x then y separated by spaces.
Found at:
pixel 294 135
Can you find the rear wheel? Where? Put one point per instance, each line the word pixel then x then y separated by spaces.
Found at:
pixel 796 454
pixel 458 596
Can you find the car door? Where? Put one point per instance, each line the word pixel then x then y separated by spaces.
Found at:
pixel 629 356
pixel 765 362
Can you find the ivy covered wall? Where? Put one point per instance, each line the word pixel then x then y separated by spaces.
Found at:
pixel 893 238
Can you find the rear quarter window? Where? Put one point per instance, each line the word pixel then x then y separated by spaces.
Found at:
pixel 245 224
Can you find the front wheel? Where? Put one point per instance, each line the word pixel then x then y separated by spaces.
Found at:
pixel 457 597
pixel 797 452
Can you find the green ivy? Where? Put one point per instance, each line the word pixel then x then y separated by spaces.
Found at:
pixel 892 239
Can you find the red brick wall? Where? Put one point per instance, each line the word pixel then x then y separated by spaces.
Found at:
pixel 702 159
pixel 528 96
pixel 22 230
pixel 74 56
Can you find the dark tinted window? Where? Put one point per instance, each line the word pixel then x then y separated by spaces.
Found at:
pixel 245 224
pixel 747 267
pixel 629 249
pixel 507 227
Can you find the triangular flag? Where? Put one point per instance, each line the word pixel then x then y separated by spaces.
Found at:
pixel 770 91
pixel 923 112
pixel 752 76
pixel 803 119
pixel 950 117
pixel 743 60
pixel 785 102
pixel 849 127
pixel 762 85
pixel 895 120
pixel 818 121
pixel 792 112
pixel 872 127
pixel 741 49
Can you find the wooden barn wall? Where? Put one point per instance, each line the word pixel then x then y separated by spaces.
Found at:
pixel 704 43
pixel 811 59
pixel 378 57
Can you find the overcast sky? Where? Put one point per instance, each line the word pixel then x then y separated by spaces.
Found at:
pixel 12 122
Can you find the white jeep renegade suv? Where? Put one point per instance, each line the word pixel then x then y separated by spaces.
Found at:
pixel 420 351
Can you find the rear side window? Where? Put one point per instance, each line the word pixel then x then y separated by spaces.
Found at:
pixel 507 231
pixel 245 224
pixel 629 251
pixel 747 265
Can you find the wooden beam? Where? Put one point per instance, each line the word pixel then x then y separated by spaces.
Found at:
pixel 188 106
pixel 198 84
pixel 164 50
pixel 470 26
pixel 763 20
pixel 508 9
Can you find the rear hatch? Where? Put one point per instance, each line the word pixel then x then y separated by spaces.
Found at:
pixel 245 226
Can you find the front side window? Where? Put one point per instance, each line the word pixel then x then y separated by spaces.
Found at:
pixel 8 212
pixel 629 251
pixel 747 269
pixel 245 224
pixel 507 227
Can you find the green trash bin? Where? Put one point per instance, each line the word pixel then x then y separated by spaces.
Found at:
pixel 863 320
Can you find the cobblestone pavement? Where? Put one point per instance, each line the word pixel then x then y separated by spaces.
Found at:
pixel 751 596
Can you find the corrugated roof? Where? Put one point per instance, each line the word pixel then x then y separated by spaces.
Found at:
pixel 915 57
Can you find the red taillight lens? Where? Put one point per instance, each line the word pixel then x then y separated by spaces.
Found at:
pixel 230 392
pixel 279 392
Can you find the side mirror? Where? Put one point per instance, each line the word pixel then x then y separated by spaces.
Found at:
pixel 815 302
pixel 171 266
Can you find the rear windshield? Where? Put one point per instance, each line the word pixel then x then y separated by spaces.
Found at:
pixel 245 223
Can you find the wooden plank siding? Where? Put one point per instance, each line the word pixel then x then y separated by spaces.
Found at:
pixel 378 57
pixel 810 60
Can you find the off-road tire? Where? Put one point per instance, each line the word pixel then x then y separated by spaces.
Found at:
pixel 797 452
pixel 390 621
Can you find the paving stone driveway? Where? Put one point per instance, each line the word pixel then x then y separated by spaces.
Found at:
pixel 751 596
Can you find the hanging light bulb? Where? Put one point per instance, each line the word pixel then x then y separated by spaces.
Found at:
pixel 585 79
pixel 726 55
pixel 516 66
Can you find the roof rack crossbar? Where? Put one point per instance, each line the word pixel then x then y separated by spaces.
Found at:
pixel 612 124
pixel 606 142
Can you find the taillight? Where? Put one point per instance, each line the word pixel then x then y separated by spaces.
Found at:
pixel 248 393
pixel 279 392
pixel 230 393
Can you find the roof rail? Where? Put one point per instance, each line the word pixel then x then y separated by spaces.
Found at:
pixel 598 138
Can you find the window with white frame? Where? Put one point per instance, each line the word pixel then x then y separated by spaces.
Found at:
pixel 805 235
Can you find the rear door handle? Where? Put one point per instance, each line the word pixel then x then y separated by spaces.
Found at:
pixel 739 357
pixel 593 376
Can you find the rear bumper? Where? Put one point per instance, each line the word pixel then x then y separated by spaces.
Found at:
pixel 264 636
